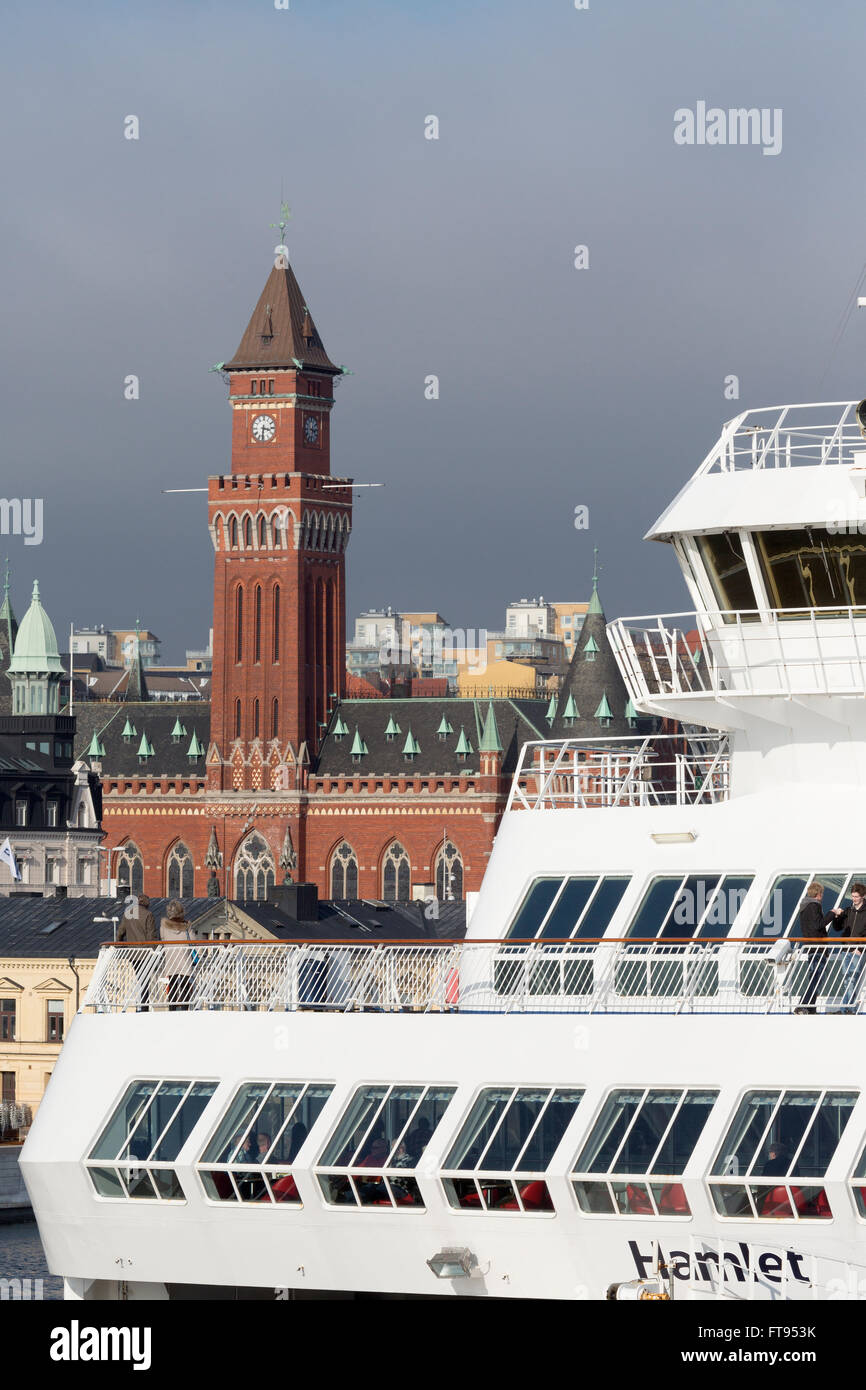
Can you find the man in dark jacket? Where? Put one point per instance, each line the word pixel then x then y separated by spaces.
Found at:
pixel 136 926
pixel 852 923
pixel 813 926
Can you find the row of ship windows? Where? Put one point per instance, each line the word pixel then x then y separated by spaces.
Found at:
pixel 674 906
pixel 771 1163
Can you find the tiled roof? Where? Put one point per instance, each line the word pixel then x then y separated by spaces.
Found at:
pixel 364 921
pixel 63 927
pixel 155 719
pixel 517 722
pixel 275 335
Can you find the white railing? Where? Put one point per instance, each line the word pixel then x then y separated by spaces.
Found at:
pixel 592 977
pixel 787 436
pixel 652 770
pixel 720 653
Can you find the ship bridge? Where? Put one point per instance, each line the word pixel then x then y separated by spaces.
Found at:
pixel 770 534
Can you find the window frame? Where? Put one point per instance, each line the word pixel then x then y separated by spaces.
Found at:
pixel 119 1166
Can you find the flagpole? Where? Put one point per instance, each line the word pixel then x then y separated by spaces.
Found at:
pixel 71 665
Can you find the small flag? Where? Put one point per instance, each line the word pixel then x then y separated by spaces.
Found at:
pixel 7 856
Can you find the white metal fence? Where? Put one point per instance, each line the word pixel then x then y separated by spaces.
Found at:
pixel 787 436
pixel 655 770
pixel 580 977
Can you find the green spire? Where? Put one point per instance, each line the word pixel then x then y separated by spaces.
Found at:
pixel 444 728
pixel 195 749
pixel 96 750
pixel 595 601
pixel 631 713
pixel 604 710
pixel 129 730
pixel 340 728
pixel 411 747
pixel 551 710
pixel 36 644
pixel 178 732
pixel 393 728
pixel 590 650
pixel 359 747
pixel 6 614
pixel 570 711
pixel 145 748
pixel 490 741
pixel 463 745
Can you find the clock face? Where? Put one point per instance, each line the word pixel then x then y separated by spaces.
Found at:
pixel 311 429
pixel 264 428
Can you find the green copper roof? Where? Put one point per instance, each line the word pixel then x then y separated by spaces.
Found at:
pixel 393 728
pixel 570 711
pixel 411 746
pixel 490 741
pixel 551 710
pixel 595 601
pixel 145 748
pixel 96 750
pixel 359 747
pixel 36 645
pixel 178 731
pixel 195 749
pixel 591 646
pixel 630 711
pixel 340 728
pixel 604 710
pixel 129 730
pixel 444 726
pixel 463 744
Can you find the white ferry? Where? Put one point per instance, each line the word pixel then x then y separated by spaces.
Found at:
pixel 633 1079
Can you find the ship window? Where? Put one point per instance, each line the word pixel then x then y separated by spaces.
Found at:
pixel 693 905
pixel 505 1146
pixel 379 1142
pixel 725 564
pixel 562 909
pixel 813 568
pixel 132 1157
pixel 776 1152
pixel 781 910
pixel 857 1185
pixel 249 1157
pixel 638 1150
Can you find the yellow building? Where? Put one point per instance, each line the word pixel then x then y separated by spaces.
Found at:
pixel 499 678
pixel 569 621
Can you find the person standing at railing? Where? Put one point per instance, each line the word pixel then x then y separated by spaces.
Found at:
pixel 136 926
pixel 852 923
pixel 813 925
pixel 174 929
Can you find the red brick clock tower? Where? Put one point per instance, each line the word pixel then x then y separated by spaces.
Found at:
pixel 279 527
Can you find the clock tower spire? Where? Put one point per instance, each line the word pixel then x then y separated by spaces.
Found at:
pixel 279 525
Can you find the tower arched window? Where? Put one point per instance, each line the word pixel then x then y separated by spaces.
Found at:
pixel 237 718
pixel 255 718
pixel 275 718
pixel 248 533
pixel 396 875
pixel 239 625
pixel 179 872
pixel 449 873
pixel 129 869
pixel 263 534
pixel 276 655
pixel 257 625
pixel 254 869
pixel 233 533
pixel 344 872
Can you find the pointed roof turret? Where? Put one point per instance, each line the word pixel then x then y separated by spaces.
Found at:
pixel 96 749
pixel 359 747
pixel 595 601
pixel 604 710
pixel 145 748
pixel 213 858
pixel 551 710
pixel 129 729
pixel 463 745
pixel 281 332
pixel 178 732
pixel 136 686
pixel 392 728
pixel 195 749
pixel 490 741
pixel 35 651
pixel 570 711
pixel 411 748
pixel 444 727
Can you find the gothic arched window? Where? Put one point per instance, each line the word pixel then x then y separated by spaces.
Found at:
pixel 233 533
pixel 255 719
pixel 248 533
pixel 449 873
pixel 254 869
pixel 395 874
pixel 237 718
pixel 257 626
pixel 276 655
pixel 263 533
pixel 178 878
pixel 344 872
pixel 129 869
pixel 275 718
pixel 239 625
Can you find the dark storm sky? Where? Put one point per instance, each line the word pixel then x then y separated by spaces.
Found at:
pixel 559 387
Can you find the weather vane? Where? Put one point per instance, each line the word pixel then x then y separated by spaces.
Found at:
pixel 281 252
